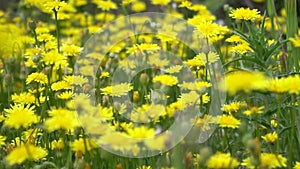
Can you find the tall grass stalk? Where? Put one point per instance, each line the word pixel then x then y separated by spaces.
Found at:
pixel 291 31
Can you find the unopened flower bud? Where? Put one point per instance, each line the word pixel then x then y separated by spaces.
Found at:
pixel 32 25
pixel 36 58
pixel 144 78
pixel 136 96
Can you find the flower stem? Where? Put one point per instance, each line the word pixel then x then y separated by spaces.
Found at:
pixel 291 30
pixel 57 30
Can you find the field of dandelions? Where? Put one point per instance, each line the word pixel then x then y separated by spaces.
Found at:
pixel 58 109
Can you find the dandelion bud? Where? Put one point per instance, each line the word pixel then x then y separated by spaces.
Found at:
pixel 227 8
pixel 79 154
pixel 7 79
pixel 86 88
pixel 32 25
pixel 274 123
pixel 188 159
pixel 144 78
pixel 36 58
pixel 119 166
pixel 136 96
pixel 87 166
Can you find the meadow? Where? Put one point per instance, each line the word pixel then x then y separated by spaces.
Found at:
pixel 159 84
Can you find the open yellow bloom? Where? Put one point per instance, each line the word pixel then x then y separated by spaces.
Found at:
pixel 61 119
pixel 246 14
pixel 105 5
pixel 117 90
pixel 167 80
pixel 20 116
pixel 37 77
pixel 270 137
pixel 79 144
pixel 2 140
pixel 25 152
pixel 222 160
pixel 295 41
pixel 244 81
pixel 268 160
pixel 228 121
pixel 141 132
pixel 160 2
pixel 297 165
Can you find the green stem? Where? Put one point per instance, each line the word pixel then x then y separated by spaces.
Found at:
pixel 279 99
pixel 57 30
pixel 292 133
pixel 291 31
pixel 271 11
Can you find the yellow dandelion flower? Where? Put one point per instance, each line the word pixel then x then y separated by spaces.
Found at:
pixel 157 143
pixel 144 167
pixel 20 116
pixel 138 6
pixel 185 4
pixel 53 5
pixel 297 165
pixel 79 144
pixel 117 140
pixel 106 113
pixel 241 48
pixel 268 160
pixel 233 107
pixel 23 98
pixel 25 152
pixel 211 57
pixel 222 160
pixel 104 75
pixel 65 95
pixel 60 85
pixel 61 119
pixel 167 80
pixel 254 110
pixel 117 90
pixel 144 47
pixel 55 58
pixel 228 121
pixel 295 41
pixel 274 123
pixel 57 144
pixel 160 2
pixel 76 80
pixel 2 140
pixel 45 37
pixel 105 5
pixel 235 39
pixel 2 118
pixel 292 84
pixel 244 81
pixel 157 61
pixel 270 137
pixel 71 50
pixel 207 29
pixel 198 85
pixel 174 69
pixel 141 132
pixel 37 77
pixel 195 62
pixel 246 14
pixel 277 85
pixel 204 123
